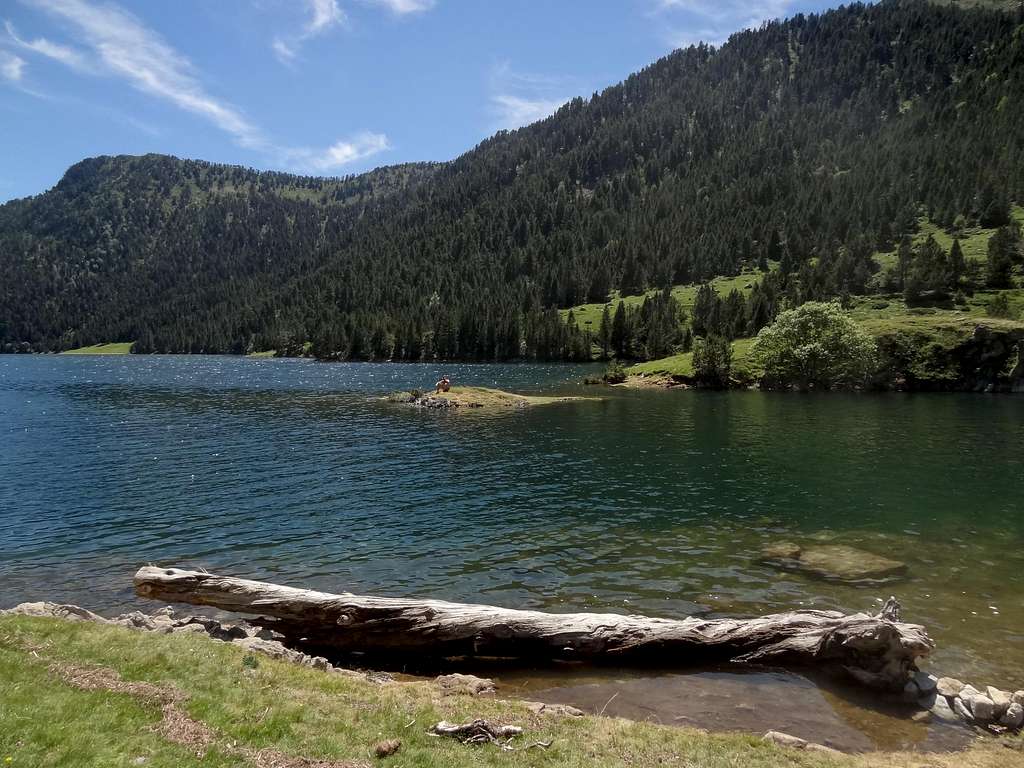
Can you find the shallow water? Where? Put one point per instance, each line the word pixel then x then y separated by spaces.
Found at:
pixel 646 502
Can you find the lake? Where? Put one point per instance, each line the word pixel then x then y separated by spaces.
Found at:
pixel 645 502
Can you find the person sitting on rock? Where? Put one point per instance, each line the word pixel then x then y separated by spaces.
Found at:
pixel 443 385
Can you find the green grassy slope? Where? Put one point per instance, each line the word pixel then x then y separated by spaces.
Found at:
pixel 588 316
pixel 973 240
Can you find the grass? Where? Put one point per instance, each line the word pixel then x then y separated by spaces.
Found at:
pixel 886 314
pixel 973 240
pixel 682 364
pixel 113 348
pixel 588 316
pixel 264 353
pixel 304 713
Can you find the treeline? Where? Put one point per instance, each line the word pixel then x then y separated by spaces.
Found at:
pixel 807 144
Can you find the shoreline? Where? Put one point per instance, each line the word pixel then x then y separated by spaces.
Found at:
pixel 90 652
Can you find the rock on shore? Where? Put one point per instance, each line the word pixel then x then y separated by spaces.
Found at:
pixel 164 621
pixel 947 698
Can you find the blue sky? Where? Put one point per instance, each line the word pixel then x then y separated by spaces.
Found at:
pixel 326 87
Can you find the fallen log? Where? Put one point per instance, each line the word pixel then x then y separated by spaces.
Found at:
pixel 878 651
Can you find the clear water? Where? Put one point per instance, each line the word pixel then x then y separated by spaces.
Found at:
pixel 646 502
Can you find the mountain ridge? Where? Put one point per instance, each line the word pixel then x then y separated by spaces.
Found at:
pixel 794 142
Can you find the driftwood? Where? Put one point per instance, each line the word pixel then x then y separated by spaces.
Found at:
pixel 878 651
pixel 476 732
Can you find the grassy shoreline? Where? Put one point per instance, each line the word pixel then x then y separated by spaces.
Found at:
pixel 109 348
pixel 59 708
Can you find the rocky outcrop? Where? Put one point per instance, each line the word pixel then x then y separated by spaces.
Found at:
pixel 949 699
pixel 835 562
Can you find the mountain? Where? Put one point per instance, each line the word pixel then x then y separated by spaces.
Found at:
pixel 806 145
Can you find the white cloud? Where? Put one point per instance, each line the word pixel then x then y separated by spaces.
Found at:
pixel 126 48
pixel 44 47
pixel 11 67
pixel 339 154
pixel 323 16
pixel 515 111
pixel 403 7
pixel 521 98
pixel 326 14
pixel 713 21
pixel 120 45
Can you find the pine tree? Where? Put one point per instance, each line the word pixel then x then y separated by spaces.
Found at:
pixel 604 334
pixel 957 263
pixel 620 332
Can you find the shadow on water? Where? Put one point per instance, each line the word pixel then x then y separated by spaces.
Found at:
pixel 722 697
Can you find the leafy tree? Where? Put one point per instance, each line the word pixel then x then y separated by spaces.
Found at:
pixel 816 345
pixel 712 362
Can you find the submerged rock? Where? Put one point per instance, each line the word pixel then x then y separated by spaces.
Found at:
pixel 837 562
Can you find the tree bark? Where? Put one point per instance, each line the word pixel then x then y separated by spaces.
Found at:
pixel 874 650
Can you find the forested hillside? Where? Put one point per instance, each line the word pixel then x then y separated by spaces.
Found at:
pixel 805 147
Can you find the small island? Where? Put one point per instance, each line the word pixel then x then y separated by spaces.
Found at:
pixel 476 397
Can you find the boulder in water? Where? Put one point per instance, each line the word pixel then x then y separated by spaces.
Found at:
pixel 837 562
